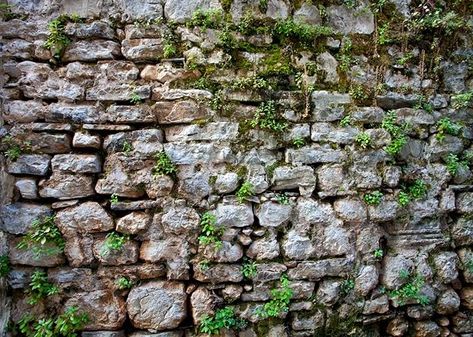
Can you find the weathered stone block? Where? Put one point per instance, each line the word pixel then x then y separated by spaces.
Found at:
pixel 271 214
pixel 157 305
pixel 16 218
pixel 142 49
pixel 66 186
pixel 105 310
pixel 76 163
pixel 218 131
pixel 315 154
pixel 23 111
pixel 88 217
pixel 92 51
pixel 186 111
pixel 32 164
pixel 350 20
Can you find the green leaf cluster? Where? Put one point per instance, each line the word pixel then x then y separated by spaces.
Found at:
pixel 40 287
pixel 447 126
pixel 64 325
pixel 43 238
pixel 113 242
pixel 266 117
pixel 410 290
pixel 4 265
pixel 224 318
pixel 373 198
pixel 164 165
pixel 415 191
pixel 280 299
pixel 210 232
pixel 397 132
pixel 246 190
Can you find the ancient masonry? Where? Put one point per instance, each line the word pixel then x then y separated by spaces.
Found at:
pixel 177 168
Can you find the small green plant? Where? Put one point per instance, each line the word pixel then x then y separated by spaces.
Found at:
pixel 169 48
pixel 280 299
pixel 164 165
pixel 446 126
pixel 415 191
pixel 454 163
pixel 462 101
pixel 289 29
pixel 266 118
pixel 135 98
pixel 127 147
pixel 468 265
pixel 4 265
pixel 383 34
pixel 246 190
pixel 227 40
pixel 346 286
pixel 224 318
pixel 43 238
pixel 123 283
pixel 405 58
pixel 373 198
pixel 363 139
pixel 13 148
pixel 113 242
pixel 418 189
pixel 40 287
pixel 210 232
pixel 345 121
pixel 358 93
pixel 57 40
pixel 410 290
pixel 252 82
pixel 398 133
pixel 345 57
pixel 211 18
pixel 64 325
pixel 282 199
pixel 378 254
pixel 113 199
pixel 403 198
pixel 204 265
pixel 249 269
pixel 298 142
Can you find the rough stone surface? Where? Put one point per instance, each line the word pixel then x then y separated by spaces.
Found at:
pixel 16 218
pixel 231 143
pixel 157 305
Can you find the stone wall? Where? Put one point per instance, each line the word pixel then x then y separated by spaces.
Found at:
pixel 259 168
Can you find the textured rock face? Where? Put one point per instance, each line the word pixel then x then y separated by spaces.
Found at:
pixel 196 153
pixel 17 218
pixel 157 305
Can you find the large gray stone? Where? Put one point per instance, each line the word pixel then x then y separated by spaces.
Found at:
pixel 104 309
pixel 67 186
pixel 91 51
pixel 146 142
pixel 217 131
pixel 232 214
pixel 314 154
pixel 157 305
pixel 23 111
pixel 16 218
pixel 350 20
pixel 40 81
pixel 142 49
pixel 316 270
pixel 88 217
pixel 76 163
pixel 32 164
pixel 271 214
pixel 181 10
